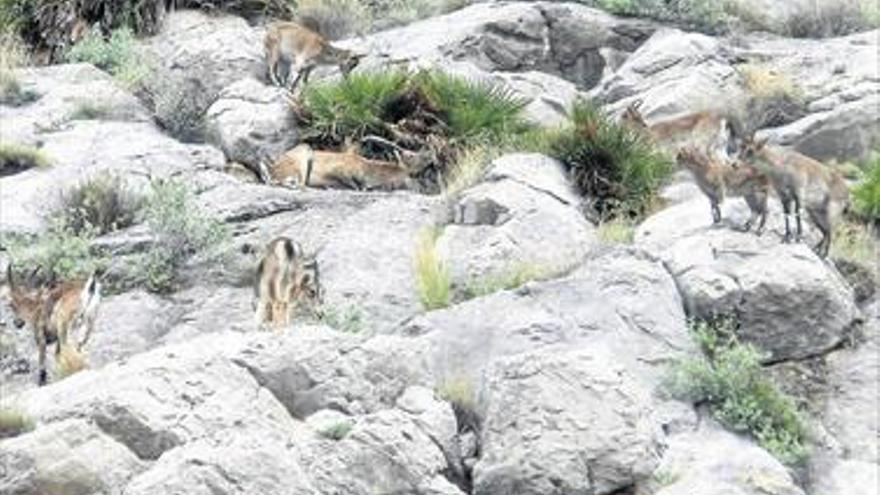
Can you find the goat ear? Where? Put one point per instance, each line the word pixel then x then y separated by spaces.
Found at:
pixel 759 144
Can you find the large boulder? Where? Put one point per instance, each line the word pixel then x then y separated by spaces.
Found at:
pixel 848 461
pixel 210 50
pixel 836 79
pixel 70 457
pixel 320 369
pixel 774 290
pixel 525 214
pixel 575 422
pixel 561 39
pixel 251 122
pixel 674 73
pixel 712 461
pixel 623 300
pixel 164 398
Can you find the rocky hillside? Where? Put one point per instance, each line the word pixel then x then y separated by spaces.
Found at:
pixel 559 355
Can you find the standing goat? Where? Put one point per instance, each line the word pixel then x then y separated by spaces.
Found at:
pixel 291 46
pixel 56 314
pixel 800 182
pixel 284 275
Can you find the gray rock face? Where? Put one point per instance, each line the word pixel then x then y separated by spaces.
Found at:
pixel 71 457
pixel 622 300
pixel 775 290
pixel 251 122
pixel 65 93
pixel 712 461
pixel 321 369
pixel 213 51
pixel 674 73
pixel 525 215
pixel 82 149
pixel 368 261
pixel 576 422
pixel 838 84
pixel 847 461
pixel 561 39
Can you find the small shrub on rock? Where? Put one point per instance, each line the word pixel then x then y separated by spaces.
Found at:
pixel 14 422
pixel 618 169
pixel 101 204
pixel 337 431
pixel 433 279
pixel 183 235
pixel 180 106
pixel 13 55
pixel 335 19
pixel 348 320
pixel 509 280
pixel 15 158
pixel 731 381
pixel 117 55
pixel 616 232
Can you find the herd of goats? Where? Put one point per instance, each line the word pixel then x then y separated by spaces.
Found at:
pixel 64 313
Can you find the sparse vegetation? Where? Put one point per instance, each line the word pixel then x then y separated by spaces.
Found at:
pixel 117 55
pixel 459 391
pixel 335 19
pixel 348 320
pixel 617 231
pixel 184 235
pixel 615 167
pixel 89 110
pixel 866 195
pixel 833 18
pixel 180 106
pixel 60 251
pixel 14 422
pixel 729 378
pixel 102 204
pixel 13 55
pixel 433 279
pixel 15 158
pixel 856 243
pixel 337 431
pixel 826 18
pixel 509 280
pixel 776 99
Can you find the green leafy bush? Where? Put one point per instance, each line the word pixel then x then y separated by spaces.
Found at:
pixel 183 235
pixel 611 164
pixel 731 381
pixel 354 106
pixel 866 194
pixel 60 251
pixel 15 158
pixel 473 109
pixel 102 203
pixel 117 55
